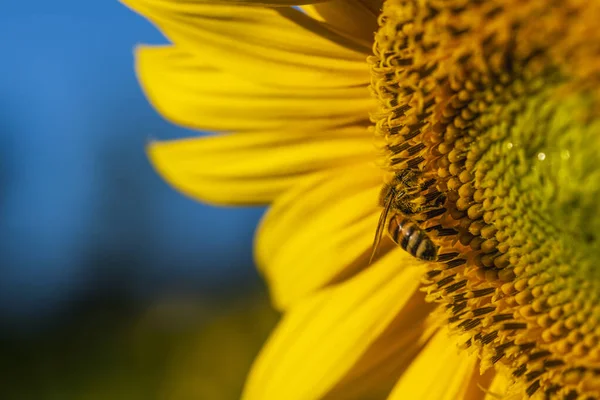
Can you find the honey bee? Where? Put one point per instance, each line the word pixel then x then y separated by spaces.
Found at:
pixel 402 203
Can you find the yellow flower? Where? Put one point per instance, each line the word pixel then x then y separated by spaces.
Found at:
pixel 484 114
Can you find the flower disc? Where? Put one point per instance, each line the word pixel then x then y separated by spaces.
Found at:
pixel 498 101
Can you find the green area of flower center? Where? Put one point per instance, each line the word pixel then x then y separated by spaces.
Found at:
pixel 539 166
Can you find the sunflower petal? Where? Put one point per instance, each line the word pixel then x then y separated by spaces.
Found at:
pixel 356 18
pixel 440 372
pixel 341 207
pixel 188 92
pixel 478 385
pixel 254 167
pixel 379 368
pixel 270 3
pixel 247 41
pixel 326 337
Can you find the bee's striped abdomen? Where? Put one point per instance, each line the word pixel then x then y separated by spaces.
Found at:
pixel 412 238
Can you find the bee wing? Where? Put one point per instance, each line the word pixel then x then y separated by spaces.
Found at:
pixel 380 226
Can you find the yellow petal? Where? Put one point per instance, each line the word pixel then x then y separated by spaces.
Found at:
pixel 254 167
pixel 188 92
pixel 374 375
pixel 478 385
pixel 440 372
pixel 270 3
pixel 324 338
pixel 295 49
pixel 317 230
pixel 355 18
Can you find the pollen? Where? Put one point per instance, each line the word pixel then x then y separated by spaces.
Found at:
pixel 497 101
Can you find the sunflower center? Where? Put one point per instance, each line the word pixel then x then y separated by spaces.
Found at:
pixel 496 102
pixel 538 167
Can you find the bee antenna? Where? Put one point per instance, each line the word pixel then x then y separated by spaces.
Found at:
pixel 381 224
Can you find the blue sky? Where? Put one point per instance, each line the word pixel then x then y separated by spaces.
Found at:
pixel 76 190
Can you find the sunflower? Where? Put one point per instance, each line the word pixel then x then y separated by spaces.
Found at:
pixel 478 119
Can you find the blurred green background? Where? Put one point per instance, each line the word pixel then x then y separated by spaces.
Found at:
pixel 177 349
pixel 112 285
